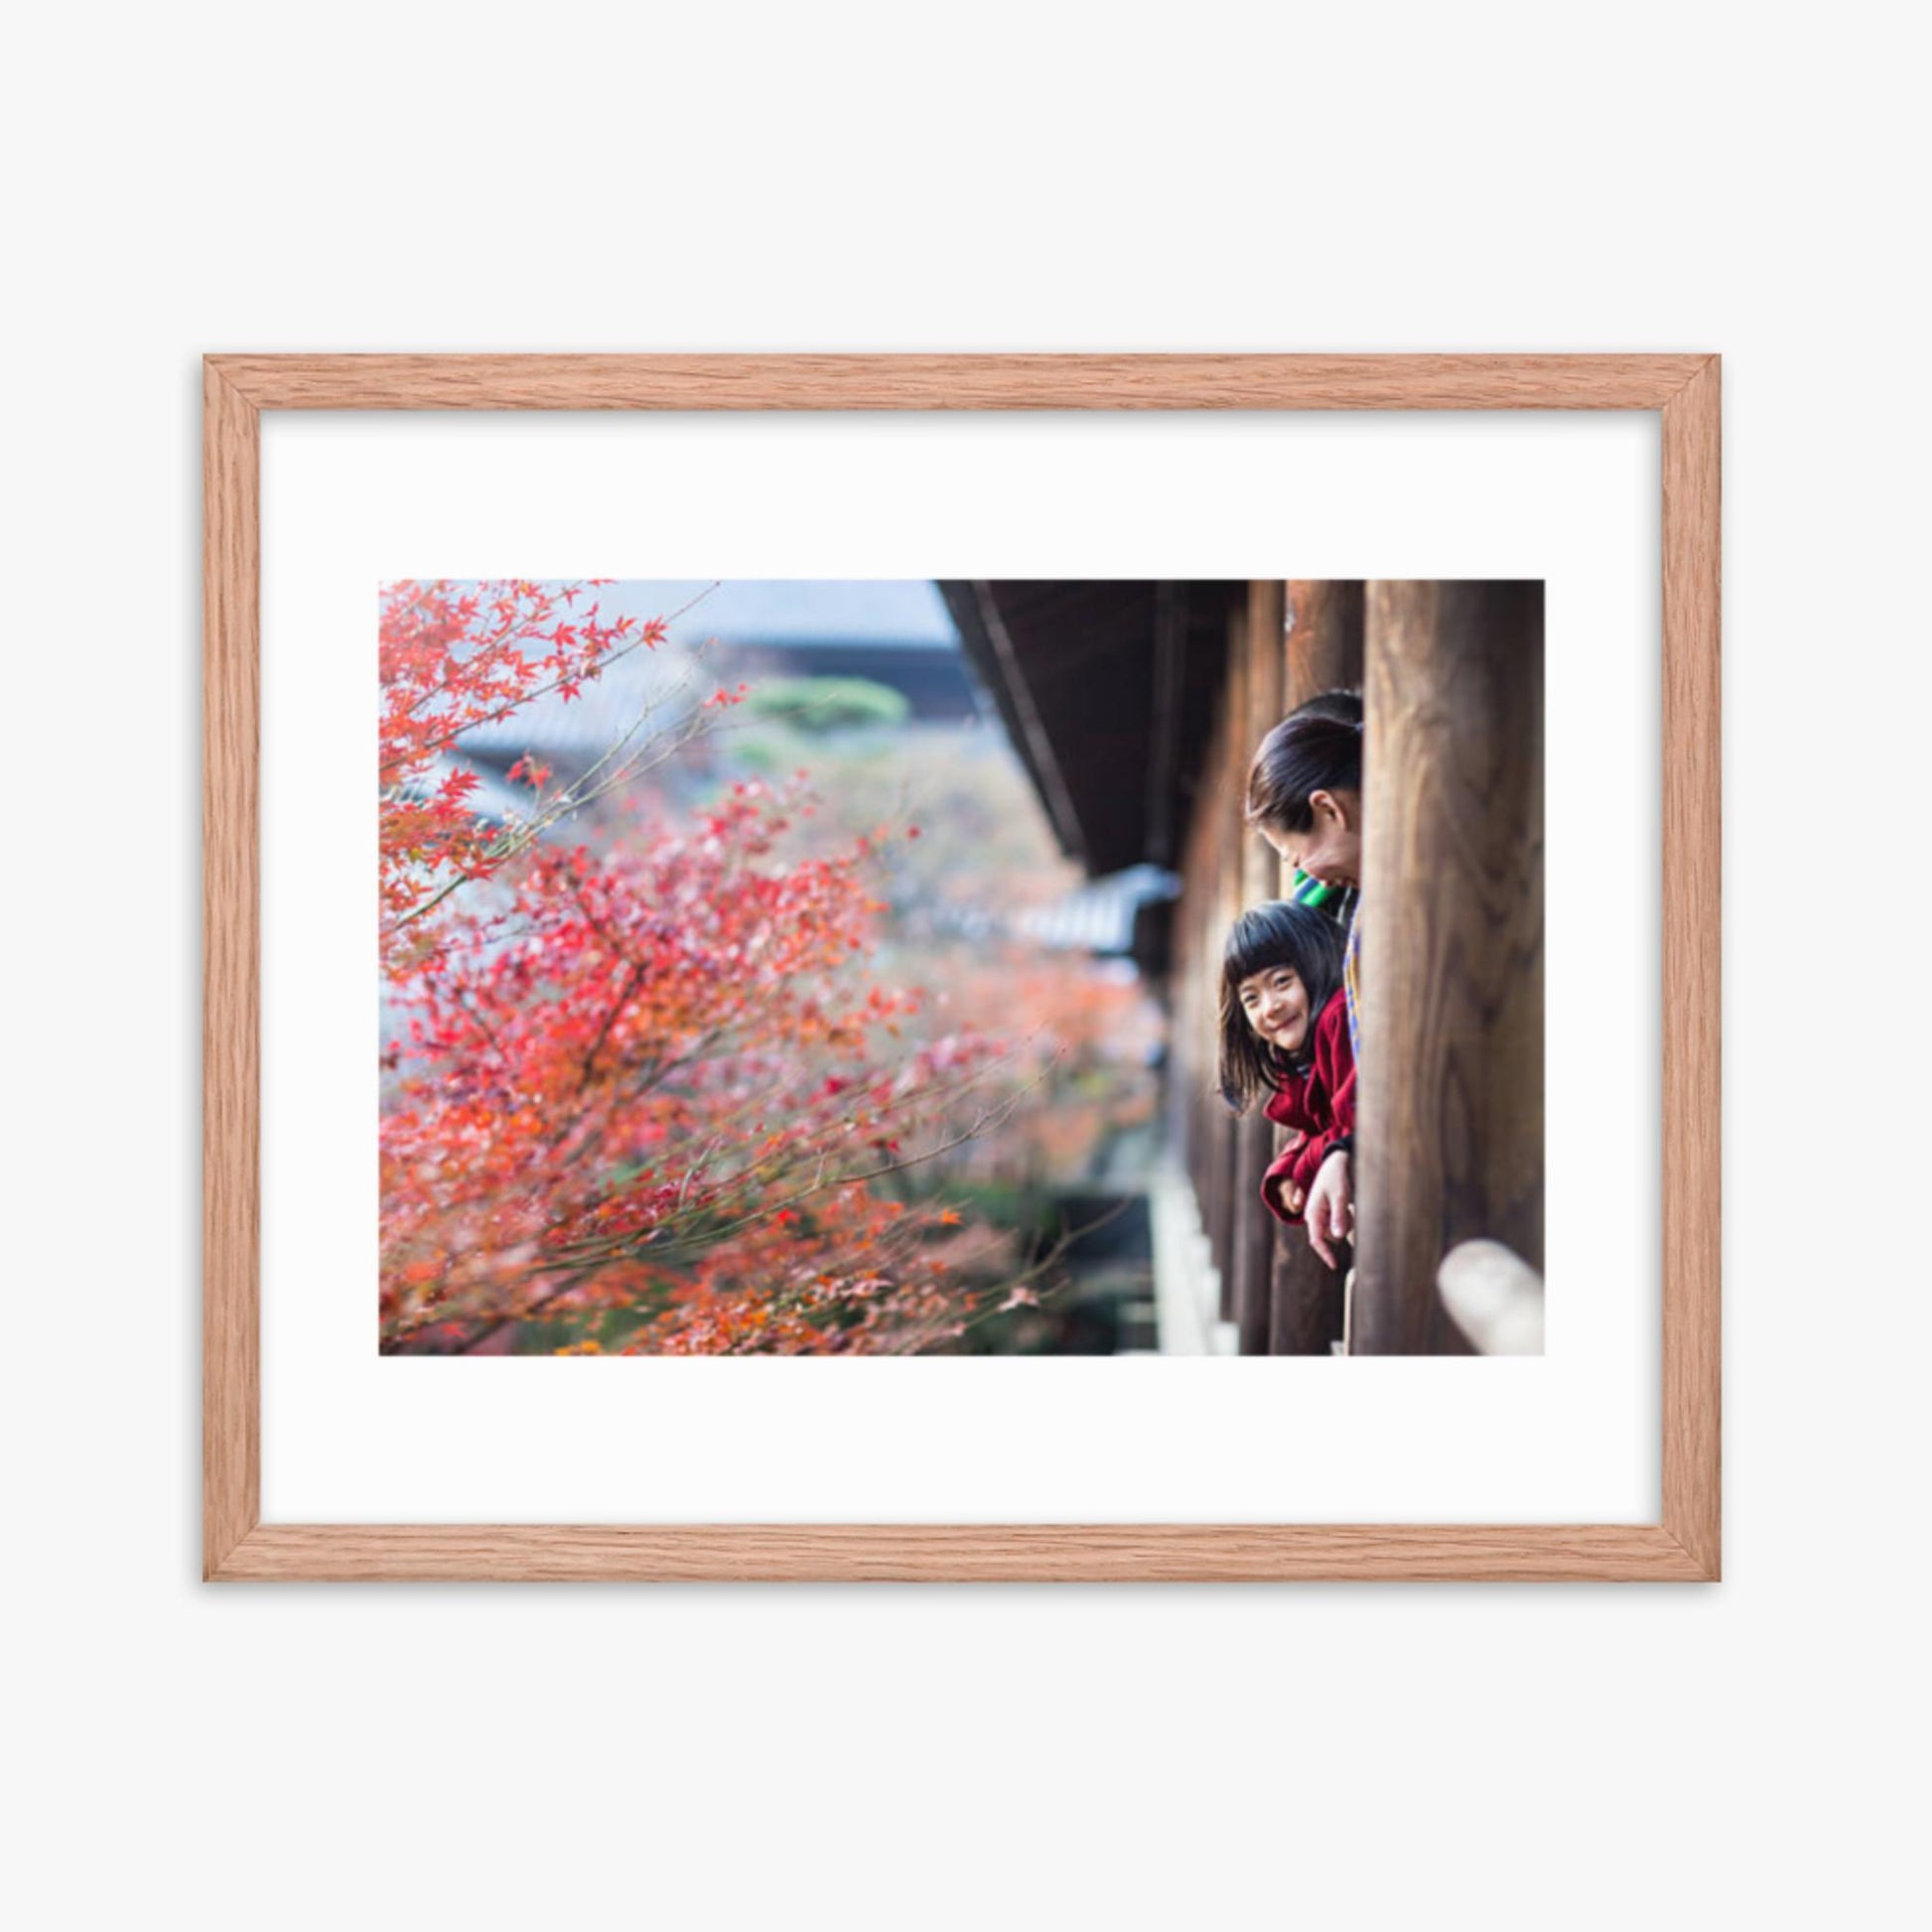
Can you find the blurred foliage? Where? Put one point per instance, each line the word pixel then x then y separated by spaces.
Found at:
pixel 963 849
pixel 959 853
pixel 816 705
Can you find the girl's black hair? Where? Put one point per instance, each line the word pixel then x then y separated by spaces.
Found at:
pixel 1263 938
pixel 1318 746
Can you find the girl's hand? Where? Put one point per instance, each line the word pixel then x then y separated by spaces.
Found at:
pixel 1288 1197
pixel 1331 1208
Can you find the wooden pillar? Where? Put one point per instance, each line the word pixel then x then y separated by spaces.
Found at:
pixel 1203 910
pixel 1324 638
pixel 1324 652
pixel 1190 1023
pixel 1227 1221
pixel 1177 1076
pixel 1256 690
pixel 1451 1130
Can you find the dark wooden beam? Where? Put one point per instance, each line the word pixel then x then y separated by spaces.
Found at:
pixel 1029 728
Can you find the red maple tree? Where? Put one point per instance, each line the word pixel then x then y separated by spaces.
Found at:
pixel 651 1089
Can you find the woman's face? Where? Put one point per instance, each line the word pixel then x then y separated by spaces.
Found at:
pixel 1276 1004
pixel 1331 850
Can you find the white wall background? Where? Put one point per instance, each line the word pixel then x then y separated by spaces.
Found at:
pixel 835 177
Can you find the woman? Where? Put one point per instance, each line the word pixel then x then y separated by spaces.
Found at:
pixel 1305 797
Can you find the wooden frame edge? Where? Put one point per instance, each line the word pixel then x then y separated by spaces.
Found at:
pixel 895 382
pixel 237 1545
pixel 1692 967
pixel 1004 1553
pixel 230 968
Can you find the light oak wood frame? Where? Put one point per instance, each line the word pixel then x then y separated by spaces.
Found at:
pixel 1683 1546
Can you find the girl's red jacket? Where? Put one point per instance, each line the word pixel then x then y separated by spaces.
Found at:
pixel 1317 1104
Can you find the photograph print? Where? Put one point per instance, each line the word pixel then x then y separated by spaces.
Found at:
pixel 961 967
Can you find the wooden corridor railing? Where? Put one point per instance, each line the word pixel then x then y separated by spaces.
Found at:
pixel 1451 1134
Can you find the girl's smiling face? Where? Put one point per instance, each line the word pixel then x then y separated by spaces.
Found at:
pixel 1276 1004
pixel 1331 850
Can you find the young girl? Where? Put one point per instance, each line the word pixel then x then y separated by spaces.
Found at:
pixel 1285 1033
pixel 1305 797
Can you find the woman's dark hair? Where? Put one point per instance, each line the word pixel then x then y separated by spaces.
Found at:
pixel 1263 938
pixel 1318 746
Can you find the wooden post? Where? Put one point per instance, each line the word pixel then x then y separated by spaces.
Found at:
pixel 1324 652
pixel 1324 638
pixel 1203 910
pixel 1256 692
pixel 1186 1042
pixel 1450 1136
pixel 1177 1096
pixel 1225 846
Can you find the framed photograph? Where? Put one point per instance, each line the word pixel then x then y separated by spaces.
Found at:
pixel 961 968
